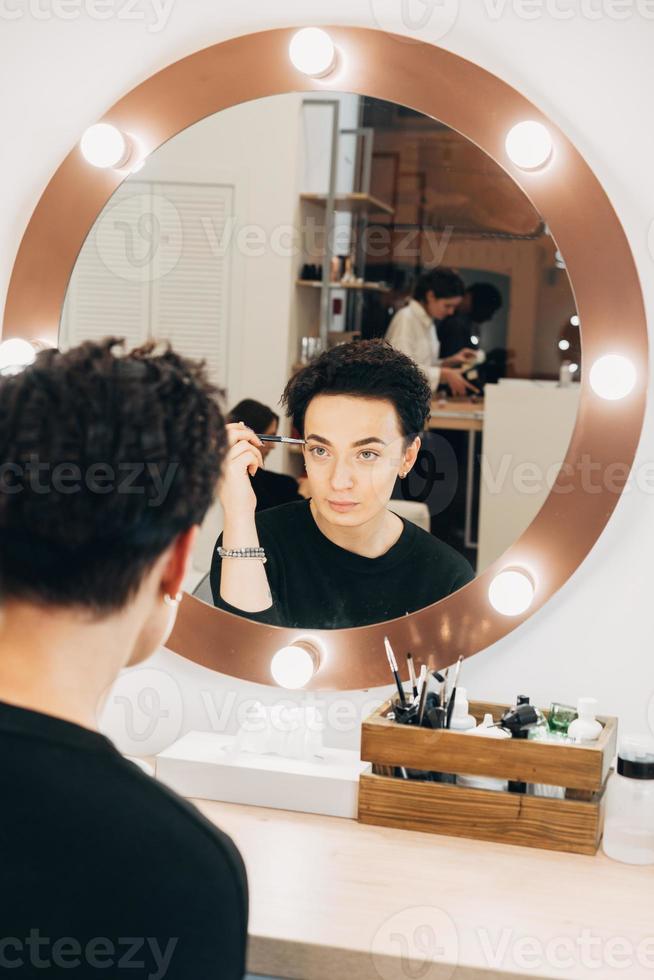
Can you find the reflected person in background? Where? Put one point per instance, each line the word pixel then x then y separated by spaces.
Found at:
pixel 342 558
pixel 271 489
pixel 479 304
pixel 110 461
pixel 437 295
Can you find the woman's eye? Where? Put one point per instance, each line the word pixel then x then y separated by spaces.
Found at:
pixel 318 451
pixel 368 454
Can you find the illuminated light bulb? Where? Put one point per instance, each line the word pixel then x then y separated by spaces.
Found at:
pixel 312 52
pixel 15 354
pixel 511 592
pixel 529 145
pixel 292 667
pixel 564 345
pixel 104 146
pixel 573 367
pixel 612 377
pixel 574 320
pixel 474 340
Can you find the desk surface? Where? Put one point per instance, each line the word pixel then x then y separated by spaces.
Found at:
pixel 457 413
pixel 331 898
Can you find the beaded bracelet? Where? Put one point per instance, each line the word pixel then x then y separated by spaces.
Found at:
pixel 243 553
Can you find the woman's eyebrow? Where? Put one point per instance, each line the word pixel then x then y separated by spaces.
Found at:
pixel 359 442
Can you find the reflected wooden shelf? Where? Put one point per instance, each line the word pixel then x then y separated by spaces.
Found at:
pixel 317 284
pixel 350 202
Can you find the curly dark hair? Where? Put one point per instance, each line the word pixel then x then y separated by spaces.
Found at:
pixel 366 369
pixel 105 457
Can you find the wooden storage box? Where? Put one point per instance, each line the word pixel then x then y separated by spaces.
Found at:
pixel 570 824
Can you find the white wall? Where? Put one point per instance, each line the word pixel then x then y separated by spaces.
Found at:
pixel 590 75
pixel 233 147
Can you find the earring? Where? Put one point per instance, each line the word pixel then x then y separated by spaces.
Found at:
pixel 173 600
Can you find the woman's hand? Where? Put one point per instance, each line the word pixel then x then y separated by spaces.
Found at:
pixel 242 461
pixel 457 384
pixel 465 356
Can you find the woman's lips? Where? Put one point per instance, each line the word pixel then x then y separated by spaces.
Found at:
pixel 342 506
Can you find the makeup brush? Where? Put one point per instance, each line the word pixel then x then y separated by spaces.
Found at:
pixel 412 675
pixel 450 703
pixel 422 687
pixel 285 439
pixel 392 663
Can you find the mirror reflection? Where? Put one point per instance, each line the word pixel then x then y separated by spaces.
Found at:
pixel 365 282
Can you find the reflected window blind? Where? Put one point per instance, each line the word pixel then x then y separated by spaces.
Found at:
pixel 109 291
pixel 156 264
pixel 190 294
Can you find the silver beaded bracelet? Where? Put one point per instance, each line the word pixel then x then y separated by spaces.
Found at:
pixel 243 553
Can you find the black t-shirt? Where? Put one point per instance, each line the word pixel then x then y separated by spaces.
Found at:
pixel 454 333
pixel 318 585
pixel 103 868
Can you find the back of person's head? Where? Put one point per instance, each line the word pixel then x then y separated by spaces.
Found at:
pixel 254 414
pixel 363 369
pixel 485 301
pixel 105 458
pixel 443 283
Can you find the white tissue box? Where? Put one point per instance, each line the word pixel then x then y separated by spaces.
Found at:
pixel 206 766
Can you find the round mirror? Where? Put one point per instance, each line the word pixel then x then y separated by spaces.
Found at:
pixel 281 240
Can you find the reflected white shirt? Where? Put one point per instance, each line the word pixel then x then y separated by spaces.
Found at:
pixel 413 332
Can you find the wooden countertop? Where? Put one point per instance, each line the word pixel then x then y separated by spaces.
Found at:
pixel 457 413
pixel 331 899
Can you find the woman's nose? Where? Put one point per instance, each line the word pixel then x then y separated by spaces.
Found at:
pixel 341 475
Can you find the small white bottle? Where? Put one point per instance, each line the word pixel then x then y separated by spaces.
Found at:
pixel 486 730
pixel 629 806
pixel 585 728
pixel 461 720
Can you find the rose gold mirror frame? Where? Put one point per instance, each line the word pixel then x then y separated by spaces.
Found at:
pixel 581 219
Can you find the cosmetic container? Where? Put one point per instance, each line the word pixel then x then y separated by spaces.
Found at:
pixel 485 730
pixel 560 717
pixel 461 720
pixel 585 728
pixel 629 814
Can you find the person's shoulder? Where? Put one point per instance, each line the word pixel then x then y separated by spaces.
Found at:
pixel 172 818
pixel 448 558
pixel 401 317
pixel 271 476
pixel 284 516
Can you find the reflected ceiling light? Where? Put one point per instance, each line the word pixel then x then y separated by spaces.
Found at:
pixel 612 376
pixel 103 145
pixel 15 354
pixel 573 367
pixel 293 667
pixel 529 145
pixel 474 340
pixel 564 345
pixel 312 52
pixel 574 320
pixel 511 592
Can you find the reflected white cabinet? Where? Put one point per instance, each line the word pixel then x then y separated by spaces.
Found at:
pixel 527 429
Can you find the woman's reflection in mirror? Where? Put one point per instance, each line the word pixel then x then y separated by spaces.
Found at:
pixel 341 558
